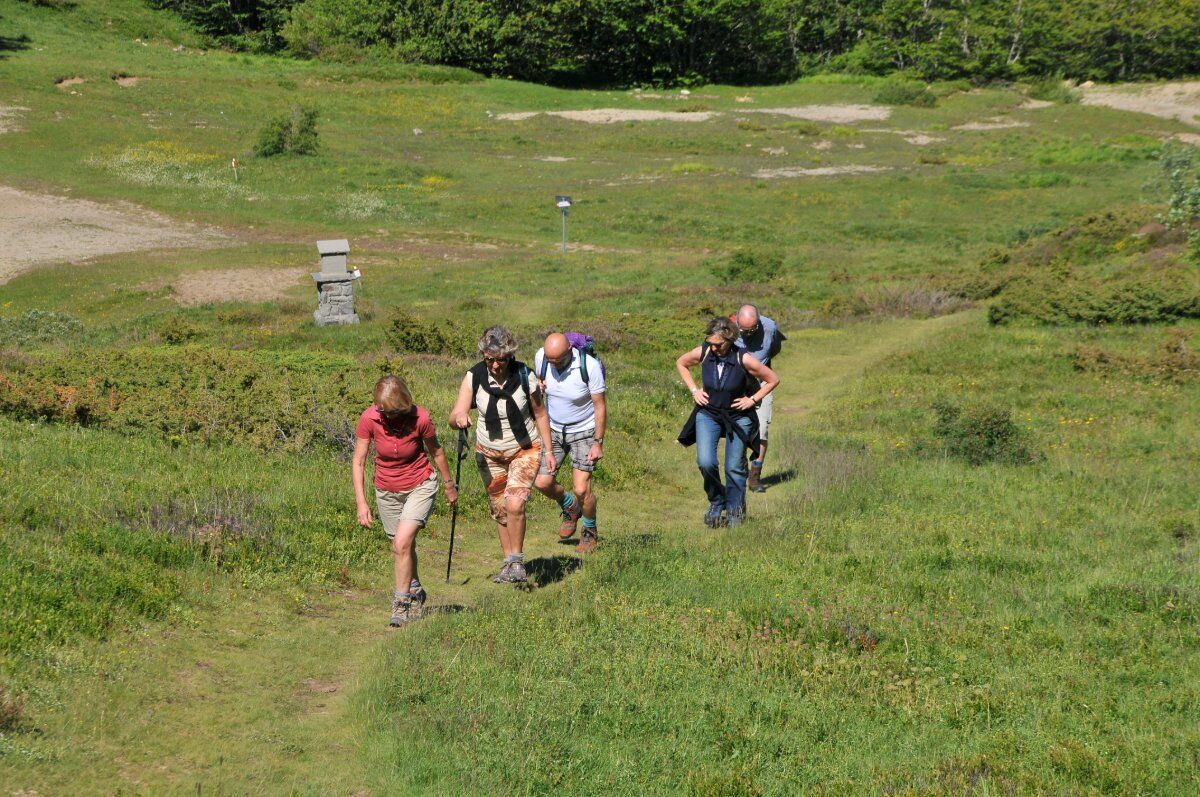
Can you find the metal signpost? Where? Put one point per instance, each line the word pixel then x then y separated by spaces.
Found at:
pixel 563 202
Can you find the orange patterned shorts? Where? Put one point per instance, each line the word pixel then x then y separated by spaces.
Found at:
pixel 507 473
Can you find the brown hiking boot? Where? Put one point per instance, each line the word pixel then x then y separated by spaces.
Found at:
pixel 570 520
pixel 587 541
pixel 754 483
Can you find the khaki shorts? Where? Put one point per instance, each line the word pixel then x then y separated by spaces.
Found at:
pixel 507 473
pixel 764 415
pixel 413 505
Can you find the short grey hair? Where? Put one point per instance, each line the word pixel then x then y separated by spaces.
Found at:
pixel 498 342
pixel 724 327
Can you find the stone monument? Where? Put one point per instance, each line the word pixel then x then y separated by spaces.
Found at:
pixel 335 285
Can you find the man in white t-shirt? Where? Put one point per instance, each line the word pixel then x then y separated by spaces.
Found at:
pixel 574 387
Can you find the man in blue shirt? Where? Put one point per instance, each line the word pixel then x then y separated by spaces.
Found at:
pixel 761 338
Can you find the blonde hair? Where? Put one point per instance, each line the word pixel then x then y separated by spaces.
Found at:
pixel 391 394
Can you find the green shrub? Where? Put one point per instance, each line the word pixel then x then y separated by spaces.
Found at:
pixel 1173 361
pixel 177 330
pixel 980 434
pixel 749 266
pixel 292 133
pixel 904 92
pixel 38 326
pixel 1178 165
pixel 409 334
pixel 1053 88
pixel 1059 295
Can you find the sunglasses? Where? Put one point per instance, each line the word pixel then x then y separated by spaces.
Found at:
pixel 495 360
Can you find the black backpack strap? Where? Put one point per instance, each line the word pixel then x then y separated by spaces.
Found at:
pixel 523 372
pixel 543 368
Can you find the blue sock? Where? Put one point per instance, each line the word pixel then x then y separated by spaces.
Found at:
pixel 567 501
pixel 589 523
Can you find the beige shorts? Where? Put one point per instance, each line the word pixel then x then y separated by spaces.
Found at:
pixel 413 505
pixel 507 473
pixel 764 415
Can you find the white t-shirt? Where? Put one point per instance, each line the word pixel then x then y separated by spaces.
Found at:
pixel 568 398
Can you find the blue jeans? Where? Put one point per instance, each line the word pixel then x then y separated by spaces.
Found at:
pixel 708 432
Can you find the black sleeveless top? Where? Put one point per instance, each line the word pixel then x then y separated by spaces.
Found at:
pixel 734 382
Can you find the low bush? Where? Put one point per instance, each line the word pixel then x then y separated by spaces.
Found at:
pixel 291 133
pixel 1052 88
pixel 1059 295
pixel 980 434
pixel 904 92
pixel 12 710
pixel 38 326
pixel 1173 361
pixel 409 334
pixel 749 266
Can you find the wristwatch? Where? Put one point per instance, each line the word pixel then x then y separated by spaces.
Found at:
pixel 598 441
pixel 757 401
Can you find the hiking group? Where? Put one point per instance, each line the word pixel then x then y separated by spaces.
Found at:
pixel 529 421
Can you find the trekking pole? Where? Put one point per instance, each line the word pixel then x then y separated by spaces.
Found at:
pixel 462 441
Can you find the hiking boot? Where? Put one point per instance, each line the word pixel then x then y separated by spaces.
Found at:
pixel 418 593
pixel 588 541
pixel 401 610
pixel 570 521
pixel 754 483
pixel 735 519
pixel 712 518
pixel 502 576
pixel 513 573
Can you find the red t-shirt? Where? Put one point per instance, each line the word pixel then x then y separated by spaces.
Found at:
pixel 400 461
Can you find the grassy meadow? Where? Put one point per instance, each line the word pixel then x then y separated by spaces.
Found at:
pixel 975 570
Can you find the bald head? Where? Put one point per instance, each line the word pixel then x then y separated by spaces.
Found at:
pixel 747 318
pixel 557 346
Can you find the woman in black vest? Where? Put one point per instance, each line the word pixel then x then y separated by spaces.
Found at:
pixel 734 385
pixel 512 439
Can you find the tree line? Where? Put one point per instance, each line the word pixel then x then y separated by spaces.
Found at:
pixel 624 42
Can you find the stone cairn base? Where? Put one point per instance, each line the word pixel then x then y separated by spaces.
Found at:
pixel 335 285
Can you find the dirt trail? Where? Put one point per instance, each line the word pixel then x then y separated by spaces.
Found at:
pixel 1178 100
pixel 39 229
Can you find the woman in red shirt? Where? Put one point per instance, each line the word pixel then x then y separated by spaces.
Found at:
pixel 405 482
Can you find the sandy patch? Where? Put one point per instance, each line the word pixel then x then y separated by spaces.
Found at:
pixel 822 145
pixel 915 137
pixel 995 123
pixel 921 140
pixel 39 228
pixel 236 285
pixel 127 81
pixel 8 118
pixel 1033 105
pixel 774 150
pixel 1189 138
pixel 604 116
pixel 68 82
pixel 839 114
pixel 1179 100
pixel 553 159
pixel 820 171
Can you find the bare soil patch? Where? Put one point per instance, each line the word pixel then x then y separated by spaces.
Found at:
pixel 127 81
pixel 9 114
pixel 819 171
pixel 68 82
pixel 604 116
pixel 235 285
pixel 1179 100
pixel 1189 138
pixel 838 114
pixel 38 229
pixel 1033 105
pixel 995 123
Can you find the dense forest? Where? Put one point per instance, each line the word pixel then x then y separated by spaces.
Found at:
pixel 621 42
